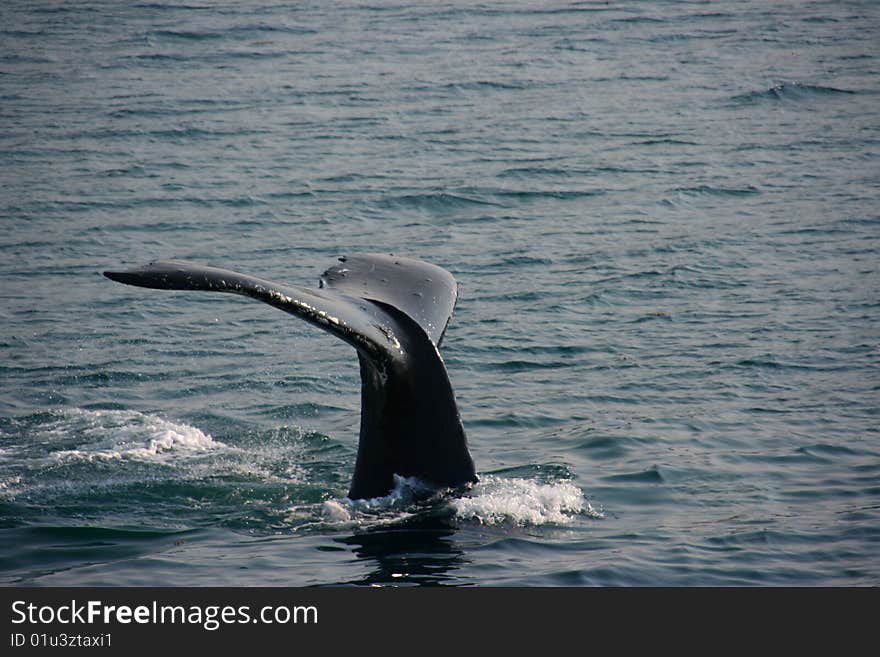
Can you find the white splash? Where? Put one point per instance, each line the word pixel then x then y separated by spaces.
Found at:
pixel 497 500
pixel 127 434
pixel 335 511
pixel 9 487
pixel 493 501
pixel 340 513
pixel 405 492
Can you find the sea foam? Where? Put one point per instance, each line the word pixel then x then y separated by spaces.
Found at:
pixel 499 500
pixel 494 500
pixel 115 434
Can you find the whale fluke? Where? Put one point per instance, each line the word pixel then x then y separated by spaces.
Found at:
pixel 394 311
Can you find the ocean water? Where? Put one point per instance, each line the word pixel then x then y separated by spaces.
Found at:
pixel 664 217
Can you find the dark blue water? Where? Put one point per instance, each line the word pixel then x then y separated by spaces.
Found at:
pixel 664 217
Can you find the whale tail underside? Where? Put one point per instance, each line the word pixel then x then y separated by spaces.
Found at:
pixel 394 311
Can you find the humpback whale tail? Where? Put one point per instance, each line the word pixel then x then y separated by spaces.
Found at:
pixel 394 312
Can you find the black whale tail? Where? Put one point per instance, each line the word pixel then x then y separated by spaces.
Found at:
pixel 394 311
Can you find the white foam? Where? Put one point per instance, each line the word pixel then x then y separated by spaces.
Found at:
pixel 493 501
pixel 345 512
pixel 406 491
pixel 127 435
pixel 9 487
pixel 130 446
pixel 335 511
pixel 497 500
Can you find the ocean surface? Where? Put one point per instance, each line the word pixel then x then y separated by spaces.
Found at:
pixel 664 218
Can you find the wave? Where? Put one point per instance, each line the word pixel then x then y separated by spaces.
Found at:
pixel 438 201
pixel 539 171
pixel 230 32
pixel 789 91
pixel 708 190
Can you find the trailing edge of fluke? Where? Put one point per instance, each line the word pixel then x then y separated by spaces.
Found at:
pixel 394 311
